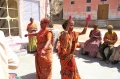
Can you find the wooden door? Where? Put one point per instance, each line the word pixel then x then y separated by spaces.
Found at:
pixel 103 10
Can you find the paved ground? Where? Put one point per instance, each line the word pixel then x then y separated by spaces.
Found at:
pixel 89 68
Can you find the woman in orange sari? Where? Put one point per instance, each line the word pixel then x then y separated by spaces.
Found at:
pixel 43 57
pixel 68 42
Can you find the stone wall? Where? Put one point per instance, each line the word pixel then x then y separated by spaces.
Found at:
pixel 115 23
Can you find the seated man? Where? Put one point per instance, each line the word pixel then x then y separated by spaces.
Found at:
pixel 110 38
pixel 8 59
pixel 116 58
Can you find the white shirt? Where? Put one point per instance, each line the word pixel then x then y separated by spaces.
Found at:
pixel 8 59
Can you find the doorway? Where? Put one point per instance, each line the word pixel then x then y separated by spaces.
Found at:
pixel 103 10
pixel 31 9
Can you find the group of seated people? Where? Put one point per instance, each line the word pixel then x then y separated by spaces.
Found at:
pixel 94 44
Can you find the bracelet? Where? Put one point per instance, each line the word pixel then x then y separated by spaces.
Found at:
pixel 44 49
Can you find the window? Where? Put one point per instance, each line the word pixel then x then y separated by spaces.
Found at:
pixel 103 0
pixel 72 2
pixel 88 9
pixel 9 17
pixel 88 1
pixel 31 9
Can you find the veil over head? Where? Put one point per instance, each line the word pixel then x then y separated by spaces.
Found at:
pixel 71 20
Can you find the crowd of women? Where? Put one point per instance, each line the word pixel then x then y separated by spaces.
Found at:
pixel 68 40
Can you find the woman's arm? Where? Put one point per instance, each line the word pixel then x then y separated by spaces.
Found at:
pixel 31 34
pixel 85 29
pixel 86 25
pixel 49 38
pixel 113 41
pixel 98 36
pixel 90 35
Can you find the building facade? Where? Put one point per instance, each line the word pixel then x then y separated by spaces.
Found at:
pixel 108 10
pixel 15 15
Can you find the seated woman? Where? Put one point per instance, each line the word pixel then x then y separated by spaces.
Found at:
pixel 116 58
pixel 91 46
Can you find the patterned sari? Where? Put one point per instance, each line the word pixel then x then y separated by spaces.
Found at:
pixel 32 28
pixel 92 45
pixel 44 63
pixel 117 54
pixel 66 56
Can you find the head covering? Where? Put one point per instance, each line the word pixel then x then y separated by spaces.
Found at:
pixel 70 20
pixel 110 27
pixel 31 18
pixel 45 20
pixel 95 25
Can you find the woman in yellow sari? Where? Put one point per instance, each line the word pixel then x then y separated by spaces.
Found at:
pixel 32 28
pixel 68 40
pixel 43 57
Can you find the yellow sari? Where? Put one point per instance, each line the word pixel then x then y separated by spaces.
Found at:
pixel 31 28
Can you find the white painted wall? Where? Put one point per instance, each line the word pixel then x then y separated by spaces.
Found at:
pixel 44 10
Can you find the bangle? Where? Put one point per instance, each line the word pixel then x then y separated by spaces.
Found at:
pixel 85 27
pixel 44 49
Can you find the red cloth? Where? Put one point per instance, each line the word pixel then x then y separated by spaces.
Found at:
pixel 88 18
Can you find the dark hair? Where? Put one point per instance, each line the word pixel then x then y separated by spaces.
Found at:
pixel 64 25
pixel 31 18
pixel 45 20
pixel 95 25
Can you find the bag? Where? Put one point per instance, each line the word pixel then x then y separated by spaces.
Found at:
pixel 13 76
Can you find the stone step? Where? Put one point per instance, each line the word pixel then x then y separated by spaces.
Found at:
pixel 80 50
pixel 18 45
pixel 101 23
pixel 21 52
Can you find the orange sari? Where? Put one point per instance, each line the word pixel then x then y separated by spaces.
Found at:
pixel 113 37
pixel 66 54
pixel 44 63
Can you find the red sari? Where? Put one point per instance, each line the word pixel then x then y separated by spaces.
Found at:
pixel 44 63
pixel 66 54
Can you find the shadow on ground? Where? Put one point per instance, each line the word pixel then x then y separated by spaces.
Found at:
pixel 97 60
pixel 29 76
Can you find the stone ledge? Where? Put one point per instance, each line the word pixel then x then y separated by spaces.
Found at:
pixel 21 52
pixel 80 50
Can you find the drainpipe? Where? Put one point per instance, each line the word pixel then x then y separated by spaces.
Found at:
pixel 51 22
